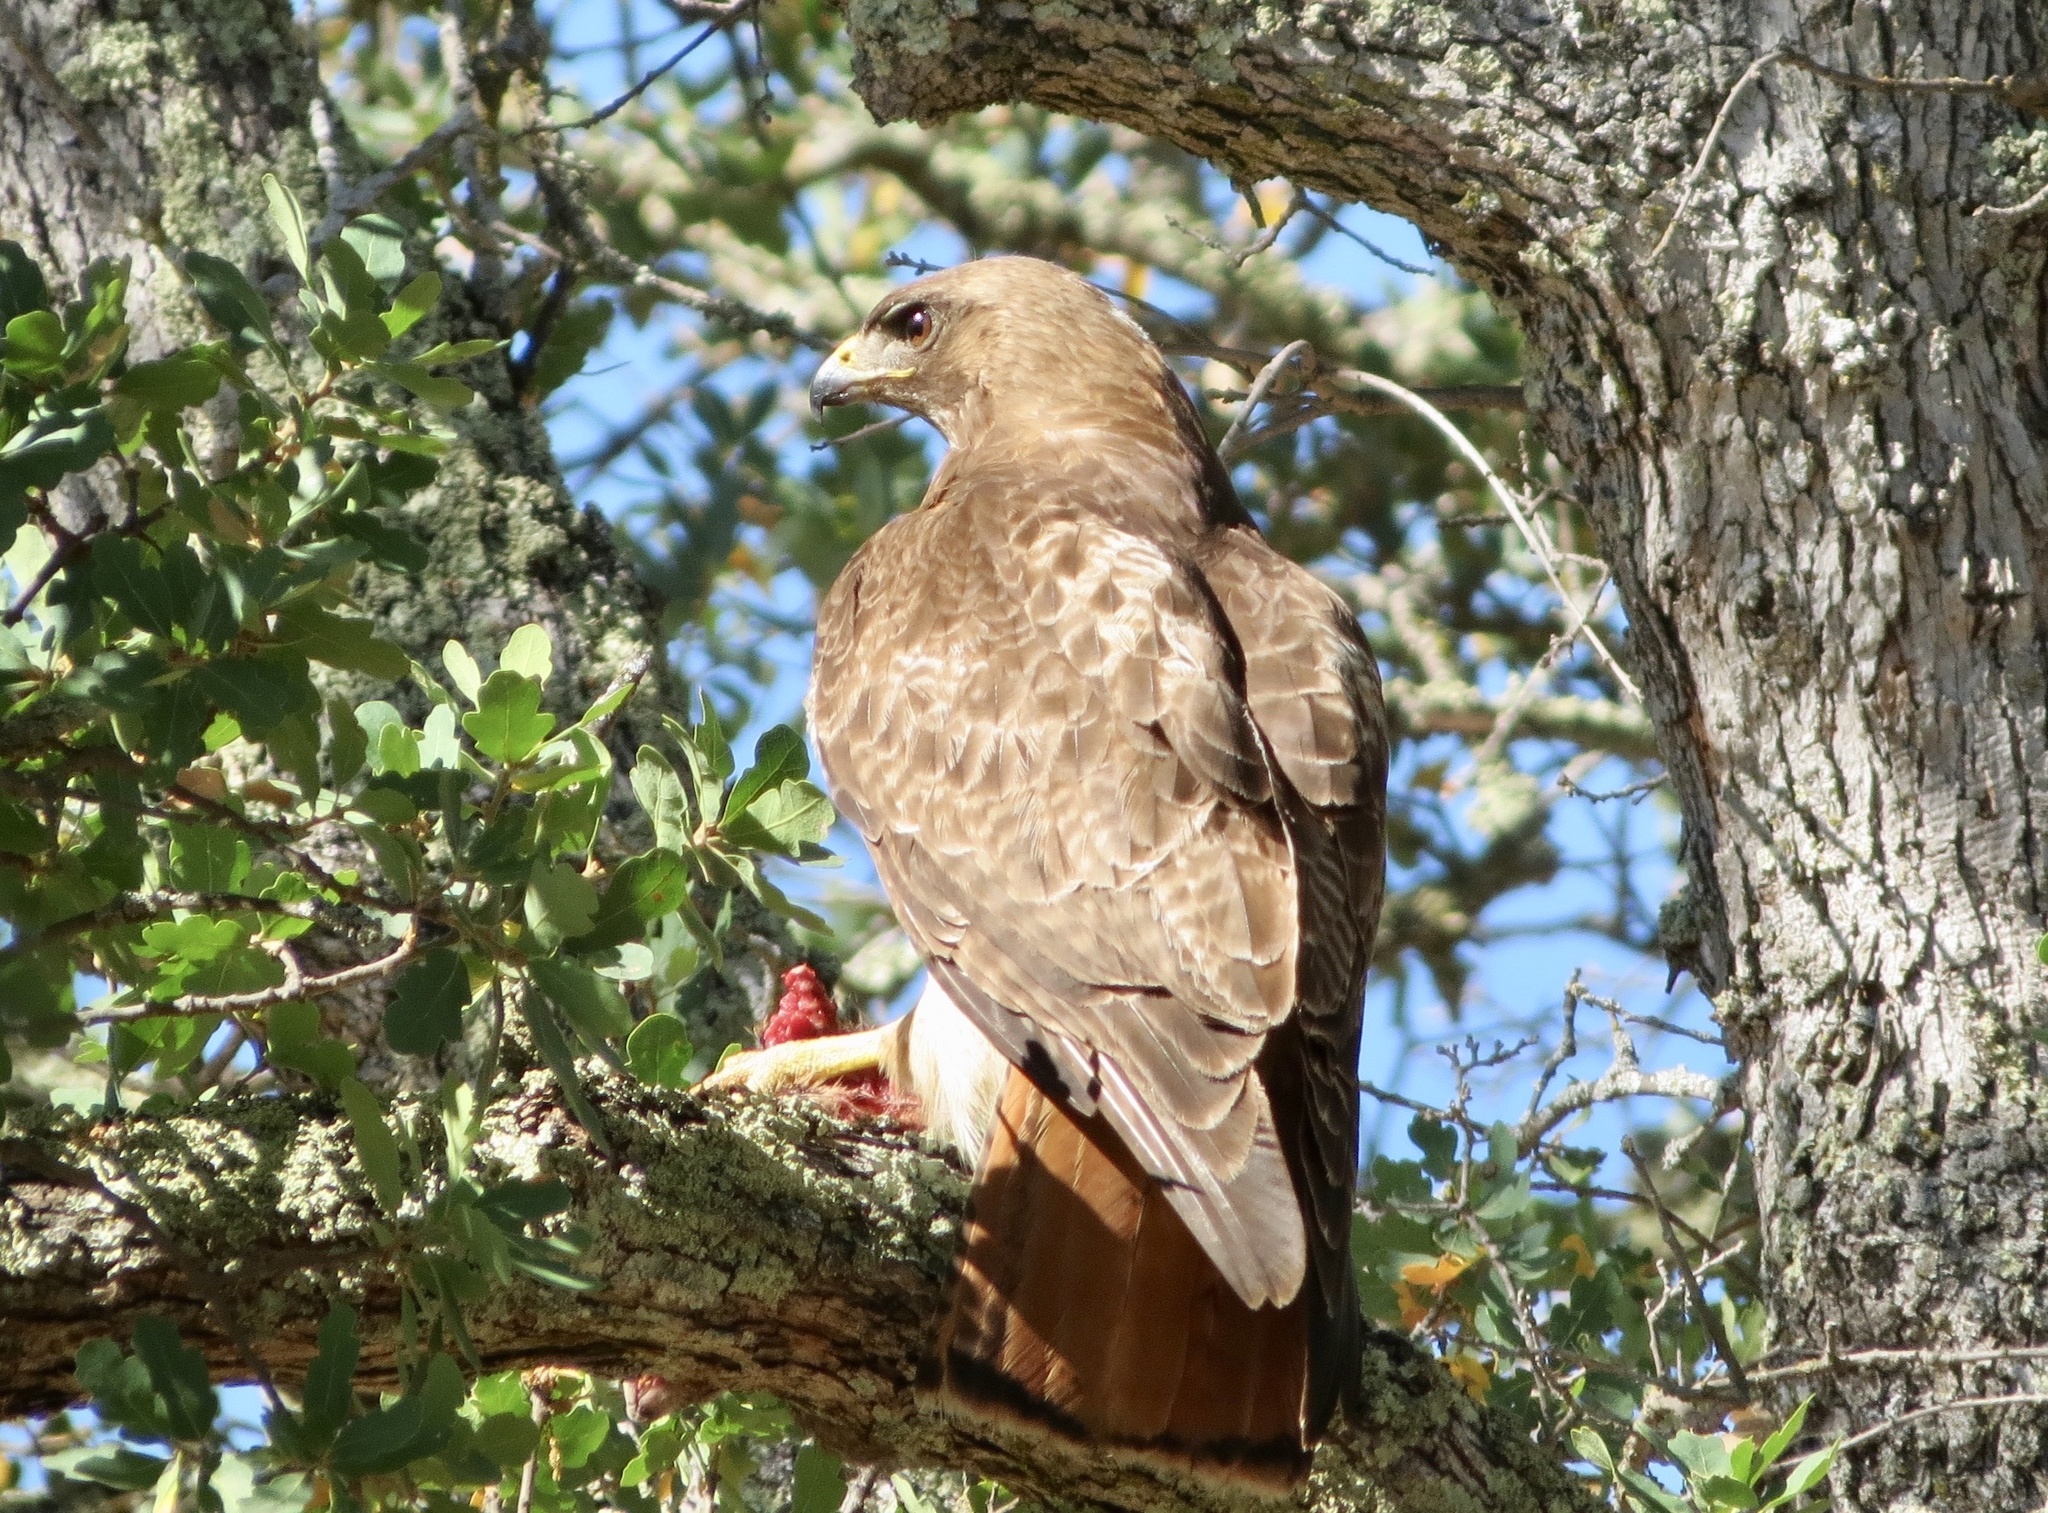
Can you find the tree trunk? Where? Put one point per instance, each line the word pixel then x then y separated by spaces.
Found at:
pixel 1811 433
pixel 751 1246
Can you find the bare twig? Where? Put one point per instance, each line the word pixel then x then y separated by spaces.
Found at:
pixel 719 17
pixel 2025 207
pixel 875 428
pixel 1635 792
pixel 1710 1319
pixel 1330 220
pixel 1268 376
pixel 1892 1425
pixel 294 987
pixel 1576 621
pixel 2008 87
pixel 1882 1359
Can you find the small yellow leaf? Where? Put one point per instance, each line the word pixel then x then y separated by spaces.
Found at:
pixel 1439 1274
pixel 1582 1258
pixel 1472 1375
pixel 1413 1309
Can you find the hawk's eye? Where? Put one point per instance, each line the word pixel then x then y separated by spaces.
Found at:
pixel 917 325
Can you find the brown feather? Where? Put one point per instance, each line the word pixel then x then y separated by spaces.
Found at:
pixel 1122 768
pixel 1085 1307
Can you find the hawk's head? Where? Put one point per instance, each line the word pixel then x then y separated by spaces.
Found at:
pixel 1003 337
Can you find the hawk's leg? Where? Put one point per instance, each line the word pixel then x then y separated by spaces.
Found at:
pixel 797 1065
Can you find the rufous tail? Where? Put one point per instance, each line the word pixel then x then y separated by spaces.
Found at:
pixel 1084 1307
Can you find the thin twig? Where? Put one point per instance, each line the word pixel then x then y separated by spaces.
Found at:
pixel 1576 619
pixel 2025 207
pixel 1710 1319
pixel 1268 376
pixel 726 16
pixel 1885 1359
pixel 1635 792
pixel 873 429
pixel 1382 254
pixel 2002 86
pixel 294 987
pixel 1878 1431
pixel 1692 178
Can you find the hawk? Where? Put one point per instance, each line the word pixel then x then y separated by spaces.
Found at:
pixel 1122 769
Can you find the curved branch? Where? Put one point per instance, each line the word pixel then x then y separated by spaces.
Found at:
pixel 748 1246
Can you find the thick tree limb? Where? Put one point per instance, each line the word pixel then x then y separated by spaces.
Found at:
pixel 745 1246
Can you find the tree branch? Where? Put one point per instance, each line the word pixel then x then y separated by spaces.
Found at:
pixel 745 1246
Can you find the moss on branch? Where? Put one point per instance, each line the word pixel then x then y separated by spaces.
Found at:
pixel 743 1246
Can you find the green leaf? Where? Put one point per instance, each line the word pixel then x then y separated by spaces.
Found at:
pixel 415 1426
pixel 195 938
pixel 508 724
pixel 661 794
pixel 170 383
pixel 442 393
pixel 1648 1491
pixel 553 1046
pixel 40 454
pixel 644 888
pixel 179 1374
pixel 1781 1438
pixel 411 303
pixel 443 353
pixel 376 1147
pixel 1592 1449
pixel 295 1042
pixel 21 282
pixel 426 1006
pixel 109 1465
pixel 709 739
pixel 329 1396
pixel 820 1482
pixel 659 1051
pixel 228 296
pixel 261 691
pixel 508 1438
pixel 778 757
pixel 785 819
pixel 1810 1472
pixel 35 345
pixel 379 241
pixel 462 669
pixel 1702 1455
pixel 578 1433
pixel 290 222
pixel 560 903
pixel 339 641
pixel 591 1004
pixel 530 653
pixel 207 859
pixel 1726 1493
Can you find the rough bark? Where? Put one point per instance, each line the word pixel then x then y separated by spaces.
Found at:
pixel 749 1245
pixel 1811 435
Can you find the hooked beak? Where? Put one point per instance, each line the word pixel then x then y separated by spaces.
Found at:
pixel 843 380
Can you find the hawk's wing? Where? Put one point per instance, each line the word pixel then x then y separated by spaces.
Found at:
pixel 1314 690
pixel 1038 721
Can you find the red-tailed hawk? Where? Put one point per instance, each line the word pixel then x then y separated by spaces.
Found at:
pixel 1122 770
